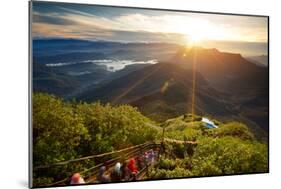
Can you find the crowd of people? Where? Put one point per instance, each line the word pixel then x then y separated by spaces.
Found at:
pixel 125 171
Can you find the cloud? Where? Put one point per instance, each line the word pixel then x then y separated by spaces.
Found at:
pixel 129 26
pixel 144 36
pixel 37 18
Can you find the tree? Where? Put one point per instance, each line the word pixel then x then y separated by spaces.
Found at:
pixel 57 130
pixel 113 128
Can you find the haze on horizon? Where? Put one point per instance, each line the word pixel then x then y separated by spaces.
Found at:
pixel 240 34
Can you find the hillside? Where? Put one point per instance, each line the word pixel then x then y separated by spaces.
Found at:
pixel 222 69
pixel 244 83
pixel 46 79
pixel 161 91
pixel 88 64
pixel 261 60
pixel 81 129
pixel 230 89
pixel 218 151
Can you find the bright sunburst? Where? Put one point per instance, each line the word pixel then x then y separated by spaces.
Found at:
pixel 196 36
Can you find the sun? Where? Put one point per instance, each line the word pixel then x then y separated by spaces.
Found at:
pixel 195 38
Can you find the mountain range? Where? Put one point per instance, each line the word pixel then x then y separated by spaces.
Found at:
pixel 261 60
pixel 227 87
pixel 221 85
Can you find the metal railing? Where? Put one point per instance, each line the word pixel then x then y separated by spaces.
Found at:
pixel 113 157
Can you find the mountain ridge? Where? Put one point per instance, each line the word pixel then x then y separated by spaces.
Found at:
pixel 237 98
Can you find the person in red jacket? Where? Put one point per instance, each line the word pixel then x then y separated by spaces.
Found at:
pixel 132 166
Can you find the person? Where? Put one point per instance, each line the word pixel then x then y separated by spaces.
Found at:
pixel 77 179
pixel 134 177
pixel 140 162
pixel 116 173
pixel 146 158
pixel 106 164
pixel 132 166
pixel 151 157
pixel 125 172
pixel 101 175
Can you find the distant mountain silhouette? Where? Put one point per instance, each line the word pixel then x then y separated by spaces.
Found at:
pixel 227 87
pixel 70 61
pixel 226 72
pixel 261 60
pixel 244 82
pixel 52 81
pixel 161 91
pixel 68 57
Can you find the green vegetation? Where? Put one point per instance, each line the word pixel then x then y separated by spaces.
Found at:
pixel 229 155
pixel 233 129
pixel 66 130
pixel 229 149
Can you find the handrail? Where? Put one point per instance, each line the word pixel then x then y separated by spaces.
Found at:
pixel 108 153
pixel 127 156
pixel 179 141
pixel 89 157
pixel 131 151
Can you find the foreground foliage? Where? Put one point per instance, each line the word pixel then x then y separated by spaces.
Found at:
pixel 66 130
pixel 229 149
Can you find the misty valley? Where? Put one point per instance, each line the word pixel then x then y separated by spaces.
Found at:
pixel 156 78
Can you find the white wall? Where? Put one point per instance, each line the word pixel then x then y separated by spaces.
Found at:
pixel 14 92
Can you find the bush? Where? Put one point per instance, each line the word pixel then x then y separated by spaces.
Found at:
pixel 216 156
pixel 114 128
pixel 234 129
pixel 57 130
pixel 166 164
pixel 67 130
pixel 229 155
pixel 42 181
pixel 163 173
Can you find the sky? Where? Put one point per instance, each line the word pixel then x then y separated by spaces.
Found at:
pixel 233 33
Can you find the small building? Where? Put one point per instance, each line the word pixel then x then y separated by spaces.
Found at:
pixel 208 123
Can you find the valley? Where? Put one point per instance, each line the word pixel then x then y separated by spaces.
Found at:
pixel 228 86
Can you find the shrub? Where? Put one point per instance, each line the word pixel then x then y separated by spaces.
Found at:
pixel 67 130
pixel 229 155
pixel 234 129
pixel 166 164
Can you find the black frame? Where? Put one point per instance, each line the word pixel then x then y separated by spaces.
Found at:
pixel 30 89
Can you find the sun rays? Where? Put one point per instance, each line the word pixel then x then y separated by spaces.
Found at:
pixel 193 96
